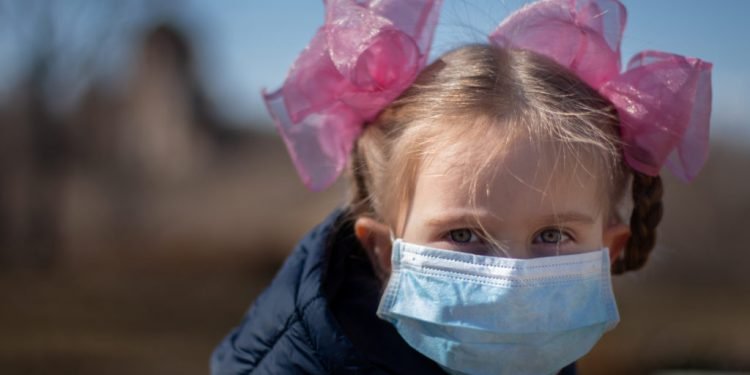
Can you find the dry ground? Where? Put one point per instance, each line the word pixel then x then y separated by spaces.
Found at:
pixel 162 316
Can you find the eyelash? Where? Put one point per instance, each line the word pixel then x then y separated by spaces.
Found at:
pixel 565 236
pixel 561 231
pixel 474 236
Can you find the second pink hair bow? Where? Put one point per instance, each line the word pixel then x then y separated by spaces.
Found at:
pixel 663 100
pixel 369 51
pixel 364 56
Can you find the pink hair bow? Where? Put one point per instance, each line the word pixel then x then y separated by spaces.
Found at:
pixel 663 100
pixel 365 55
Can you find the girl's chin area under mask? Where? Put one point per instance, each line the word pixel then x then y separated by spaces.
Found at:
pixel 488 315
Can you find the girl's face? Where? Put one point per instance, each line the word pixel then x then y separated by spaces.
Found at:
pixel 524 206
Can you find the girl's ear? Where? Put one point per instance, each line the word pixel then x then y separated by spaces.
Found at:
pixel 615 238
pixel 376 239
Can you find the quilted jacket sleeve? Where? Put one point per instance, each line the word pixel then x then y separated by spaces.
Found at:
pixel 272 337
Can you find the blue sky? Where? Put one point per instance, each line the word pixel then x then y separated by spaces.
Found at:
pixel 260 40
pixel 246 45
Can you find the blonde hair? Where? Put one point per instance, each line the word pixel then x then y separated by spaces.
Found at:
pixel 466 93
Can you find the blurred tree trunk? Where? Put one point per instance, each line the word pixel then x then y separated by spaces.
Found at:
pixel 49 163
pixel 47 34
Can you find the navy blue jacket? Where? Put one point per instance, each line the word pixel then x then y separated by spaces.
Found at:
pixel 318 317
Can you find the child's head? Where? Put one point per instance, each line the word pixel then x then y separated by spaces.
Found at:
pixel 523 148
pixel 540 124
pixel 497 149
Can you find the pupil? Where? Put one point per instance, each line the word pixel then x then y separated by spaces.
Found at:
pixel 551 236
pixel 461 235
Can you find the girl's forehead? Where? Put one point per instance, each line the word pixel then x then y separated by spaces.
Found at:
pixel 514 174
pixel 492 155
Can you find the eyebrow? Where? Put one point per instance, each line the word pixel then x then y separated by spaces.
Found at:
pixel 472 216
pixel 566 217
pixel 462 216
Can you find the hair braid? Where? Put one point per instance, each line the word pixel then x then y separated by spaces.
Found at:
pixel 647 213
pixel 360 195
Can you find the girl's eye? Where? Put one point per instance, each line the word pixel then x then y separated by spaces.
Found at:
pixel 462 236
pixel 551 236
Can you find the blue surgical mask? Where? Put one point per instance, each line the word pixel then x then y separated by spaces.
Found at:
pixel 477 314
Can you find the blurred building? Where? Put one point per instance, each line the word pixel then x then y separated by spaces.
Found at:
pixel 136 169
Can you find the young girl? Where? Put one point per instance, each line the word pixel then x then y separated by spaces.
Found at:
pixel 486 190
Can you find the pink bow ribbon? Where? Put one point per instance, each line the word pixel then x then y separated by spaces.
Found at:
pixel 663 100
pixel 369 51
pixel 365 55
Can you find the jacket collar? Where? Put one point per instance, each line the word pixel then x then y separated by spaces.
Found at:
pixel 353 292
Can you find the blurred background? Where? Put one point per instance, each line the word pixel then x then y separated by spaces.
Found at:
pixel 145 198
